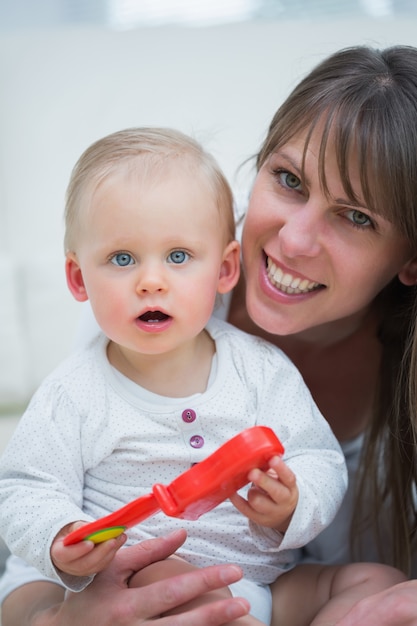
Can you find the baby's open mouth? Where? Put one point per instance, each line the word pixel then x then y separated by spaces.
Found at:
pixel 153 317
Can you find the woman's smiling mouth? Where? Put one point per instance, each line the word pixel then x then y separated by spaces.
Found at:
pixel 288 283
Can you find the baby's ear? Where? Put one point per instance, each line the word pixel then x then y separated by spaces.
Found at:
pixel 230 268
pixel 75 279
pixel 408 273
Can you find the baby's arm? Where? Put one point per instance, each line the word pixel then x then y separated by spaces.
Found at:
pixel 42 477
pixel 84 558
pixel 312 481
pixel 272 498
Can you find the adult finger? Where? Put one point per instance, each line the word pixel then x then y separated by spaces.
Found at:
pixel 170 593
pixel 214 614
pixel 133 558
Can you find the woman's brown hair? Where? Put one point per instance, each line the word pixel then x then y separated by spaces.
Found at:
pixel 365 101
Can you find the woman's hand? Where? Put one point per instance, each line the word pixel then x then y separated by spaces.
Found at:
pixel 396 606
pixel 109 601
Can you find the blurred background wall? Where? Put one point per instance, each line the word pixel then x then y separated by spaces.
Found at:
pixel 73 71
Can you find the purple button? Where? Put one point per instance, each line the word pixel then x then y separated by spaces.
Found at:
pixel 197 441
pixel 188 415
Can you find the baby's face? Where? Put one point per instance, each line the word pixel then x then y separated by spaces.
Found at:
pixel 151 256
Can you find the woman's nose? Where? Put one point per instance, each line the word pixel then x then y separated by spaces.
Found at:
pixel 301 233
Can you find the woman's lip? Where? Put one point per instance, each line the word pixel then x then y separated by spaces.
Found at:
pixel 286 282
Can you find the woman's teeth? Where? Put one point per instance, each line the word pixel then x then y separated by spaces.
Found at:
pixel 286 282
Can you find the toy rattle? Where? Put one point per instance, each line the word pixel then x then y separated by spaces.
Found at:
pixel 194 492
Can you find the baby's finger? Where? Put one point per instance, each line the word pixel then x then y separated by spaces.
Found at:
pixel 68 554
pixel 95 560
pixel 263 503
pixel 259 507
pixel 273 486
pixel 285 475
pixel 266 484
pixel 241 504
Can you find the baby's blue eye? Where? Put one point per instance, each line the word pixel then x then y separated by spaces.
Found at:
pixel 122 259
pixel 178 257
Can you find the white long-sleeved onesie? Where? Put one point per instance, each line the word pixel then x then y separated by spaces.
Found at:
pixel 91 441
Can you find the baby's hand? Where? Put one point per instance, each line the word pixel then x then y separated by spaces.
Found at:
pixel 84 558
pixel 272 498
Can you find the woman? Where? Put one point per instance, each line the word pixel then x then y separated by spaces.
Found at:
pixel 329 250
pixel 330 261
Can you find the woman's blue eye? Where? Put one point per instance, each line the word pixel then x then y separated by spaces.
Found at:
pixel 122 259
pixel 178 257
pixel 358 218
pixel 289 180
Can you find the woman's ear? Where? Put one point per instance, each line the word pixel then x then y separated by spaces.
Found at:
pixel 408 274
pixel 75 279
pixel 230 268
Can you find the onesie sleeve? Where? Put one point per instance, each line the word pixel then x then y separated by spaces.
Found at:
pixel 311 451
pixel 41 480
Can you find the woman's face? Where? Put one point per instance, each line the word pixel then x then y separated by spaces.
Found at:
pixel 313 259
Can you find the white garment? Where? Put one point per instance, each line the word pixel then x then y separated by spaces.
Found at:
pixel 88 444
pixel 333 545
pixel 330 546
pixel 258 596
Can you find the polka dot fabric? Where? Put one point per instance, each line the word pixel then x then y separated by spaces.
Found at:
pixel 91 441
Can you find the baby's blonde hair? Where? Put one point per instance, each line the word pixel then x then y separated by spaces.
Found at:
pixel 143 150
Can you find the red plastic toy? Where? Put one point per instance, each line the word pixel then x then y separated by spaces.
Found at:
pixel 194 492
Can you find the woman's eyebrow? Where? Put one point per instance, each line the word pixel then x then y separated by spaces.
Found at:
pixel 290 160
pixel 295 165
pixel 355 204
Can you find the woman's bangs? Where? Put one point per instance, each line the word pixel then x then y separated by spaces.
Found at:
pixel 361 153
